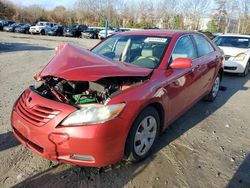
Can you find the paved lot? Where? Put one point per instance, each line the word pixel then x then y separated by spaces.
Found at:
pixel 209 146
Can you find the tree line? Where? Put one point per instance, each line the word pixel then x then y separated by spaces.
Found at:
pixel 224 15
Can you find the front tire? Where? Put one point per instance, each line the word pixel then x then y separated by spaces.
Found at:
pixel 246 70
pixel 42 32
pixel 215 89
pixel 143 135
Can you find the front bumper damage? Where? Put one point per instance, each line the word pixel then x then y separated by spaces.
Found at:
pixel 37 126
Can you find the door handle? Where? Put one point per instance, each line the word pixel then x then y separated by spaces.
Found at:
pixel 198 66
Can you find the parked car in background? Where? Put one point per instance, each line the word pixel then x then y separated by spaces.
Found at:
pixel 23 29
pixel 56 31
pixel 237 52
pixel 94 107
pixel 74 30
pixel 151 27
pixel 41 27
pixel 110 32
pixel 91 33
pixel 12 27
pixel 217 34
pixel 123 30
pixel 4 23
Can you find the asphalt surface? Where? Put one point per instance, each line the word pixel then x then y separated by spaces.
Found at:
pixel 209 146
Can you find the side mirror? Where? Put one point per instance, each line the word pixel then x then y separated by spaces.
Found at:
pixel 181 63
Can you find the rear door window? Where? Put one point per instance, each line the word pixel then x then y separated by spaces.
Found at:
pixel 203 46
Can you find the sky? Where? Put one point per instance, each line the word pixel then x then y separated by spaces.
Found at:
pixel 48 4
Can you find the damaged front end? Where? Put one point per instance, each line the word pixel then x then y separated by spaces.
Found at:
pixel 87 81
pixel 90 98
pixel 78 76
pixel 85 92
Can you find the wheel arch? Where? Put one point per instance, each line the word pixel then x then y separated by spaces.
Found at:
pixel 221 72
pixel 159 108
pixel 161 112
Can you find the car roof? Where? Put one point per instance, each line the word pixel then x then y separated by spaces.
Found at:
pixel 158 32
pixel 234 35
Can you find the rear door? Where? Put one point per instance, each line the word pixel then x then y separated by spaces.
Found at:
pixel 207 61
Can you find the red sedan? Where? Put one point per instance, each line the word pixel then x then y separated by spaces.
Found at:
pixel 94 108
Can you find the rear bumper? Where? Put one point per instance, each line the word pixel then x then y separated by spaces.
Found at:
pixel 34 31
pixel 51 34
pixel 102 143
pixel 88 35
pixel 20 31
pixel 68 34
pixel 9 30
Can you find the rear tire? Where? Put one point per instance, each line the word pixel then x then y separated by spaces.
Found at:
pixel 215 89
pixel 143 135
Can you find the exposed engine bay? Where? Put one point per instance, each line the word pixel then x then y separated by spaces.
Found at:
pixel 83 92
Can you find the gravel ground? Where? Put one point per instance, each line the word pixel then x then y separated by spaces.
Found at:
pixel 207 147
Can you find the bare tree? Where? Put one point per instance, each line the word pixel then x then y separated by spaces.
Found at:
pixel 194 10
pixel 227 15
pixel 168 11
pixel 244 17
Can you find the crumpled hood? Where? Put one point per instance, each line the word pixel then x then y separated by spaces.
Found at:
pixel 231 51
pixel 74 63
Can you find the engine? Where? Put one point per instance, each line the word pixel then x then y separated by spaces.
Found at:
pixel 82 92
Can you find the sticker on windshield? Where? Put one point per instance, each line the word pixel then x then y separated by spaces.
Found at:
pixel 155 39
pixel 243 40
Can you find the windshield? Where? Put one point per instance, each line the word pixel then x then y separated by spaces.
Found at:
pixel 232 41
pixel 143 51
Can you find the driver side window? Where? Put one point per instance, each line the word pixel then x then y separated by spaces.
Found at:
pixel 184 49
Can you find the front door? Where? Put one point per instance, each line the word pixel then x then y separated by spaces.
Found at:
pixel 182 81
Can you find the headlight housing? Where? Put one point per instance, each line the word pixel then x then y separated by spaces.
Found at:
pixel 92 114
pixel 240 57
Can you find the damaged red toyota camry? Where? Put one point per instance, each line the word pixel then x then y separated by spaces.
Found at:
pixel 96 107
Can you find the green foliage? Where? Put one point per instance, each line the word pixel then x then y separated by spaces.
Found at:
pixel 212 26
pixel 102 23
pixel 130 24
